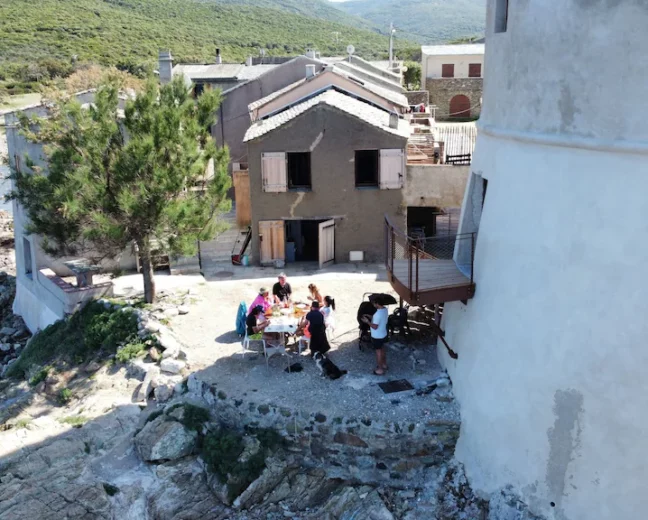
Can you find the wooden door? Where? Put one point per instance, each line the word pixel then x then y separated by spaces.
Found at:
pixel 326 243
pixel 272 241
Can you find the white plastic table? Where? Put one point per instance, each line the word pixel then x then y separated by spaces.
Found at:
pixel 283 325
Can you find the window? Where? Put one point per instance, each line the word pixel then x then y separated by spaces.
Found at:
pixel 199 88
pixel 366 168
pixel 299 171
pixel 447 70
pixel 27 256
pixel 501 16
pixel 474 70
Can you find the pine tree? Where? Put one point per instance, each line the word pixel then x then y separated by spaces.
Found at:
pixel 121 177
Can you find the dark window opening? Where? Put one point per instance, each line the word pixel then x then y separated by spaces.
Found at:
pixel 299 170
pixel 484 188
pixel 366 168
pixel 27 256
pixel 199 88
pixel 447 70
pixel 501 16
pixel 474 70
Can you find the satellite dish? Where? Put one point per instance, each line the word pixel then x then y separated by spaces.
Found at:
pixel 350 50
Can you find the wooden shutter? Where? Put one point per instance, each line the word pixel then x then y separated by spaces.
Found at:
pixel 447 70
pixel 474 70
pixel 273 171
pixel 392 165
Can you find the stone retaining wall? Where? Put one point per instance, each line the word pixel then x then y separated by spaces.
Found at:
pixel 356 449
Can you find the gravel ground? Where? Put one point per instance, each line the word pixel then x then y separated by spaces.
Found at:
pixel 214 354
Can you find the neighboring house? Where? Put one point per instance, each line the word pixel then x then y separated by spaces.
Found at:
pixel 323 173
pixel 43 296
pixel 453 75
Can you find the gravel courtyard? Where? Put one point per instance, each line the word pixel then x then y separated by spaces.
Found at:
pixel 208 331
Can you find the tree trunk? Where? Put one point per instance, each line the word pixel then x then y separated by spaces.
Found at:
pixel 147 270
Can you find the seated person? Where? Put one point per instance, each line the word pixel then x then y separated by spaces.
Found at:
pixel 282 291
pixel 254 328
pixel 262 299
pixel 315 294
pixel 256 323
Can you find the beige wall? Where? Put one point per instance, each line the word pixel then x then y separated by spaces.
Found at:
pixel 332 138
pixel 433 64
pixel 435 185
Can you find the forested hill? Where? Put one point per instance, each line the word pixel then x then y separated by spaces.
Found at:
pixel 131 31
pixel 423 21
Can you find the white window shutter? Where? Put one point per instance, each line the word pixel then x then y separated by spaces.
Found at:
pixel 273 171
pixel 392 169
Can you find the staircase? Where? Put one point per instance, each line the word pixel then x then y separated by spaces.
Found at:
pixel 420 149
pixel 218 251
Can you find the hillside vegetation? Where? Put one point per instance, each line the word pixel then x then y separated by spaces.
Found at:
pixel 424 21
pixel 129 33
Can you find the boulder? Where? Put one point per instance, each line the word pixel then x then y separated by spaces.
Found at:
pixel 148 384
pixel 172 366
pixel 171 312
pixel 154 354
pixel 183 309
pixel 5 347
pixel 163 393
pixel 7 331
pixel 169 343
pixel 152 326
pixel 164 439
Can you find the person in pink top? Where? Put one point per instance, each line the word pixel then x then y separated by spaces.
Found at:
pixel 262 299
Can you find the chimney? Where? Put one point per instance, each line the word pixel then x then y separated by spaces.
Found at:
pixel 219 60
pixel 248 61
pixel 310 53
pixel 393 120
pixel 310 71
pixel 165 66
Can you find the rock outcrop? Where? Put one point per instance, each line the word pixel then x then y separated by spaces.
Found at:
pixel 163 439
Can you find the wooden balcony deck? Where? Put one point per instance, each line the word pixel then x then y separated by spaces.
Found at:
pixel 421 279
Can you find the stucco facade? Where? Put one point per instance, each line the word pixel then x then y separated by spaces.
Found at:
pixel 332 138
pixel 435 185
pixel 233 118
pixel 551 368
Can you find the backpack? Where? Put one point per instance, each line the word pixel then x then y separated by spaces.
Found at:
pixel 241 315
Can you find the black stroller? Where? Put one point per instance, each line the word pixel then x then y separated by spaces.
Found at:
pixel 367 308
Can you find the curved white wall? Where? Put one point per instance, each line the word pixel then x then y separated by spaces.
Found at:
pixel 552 365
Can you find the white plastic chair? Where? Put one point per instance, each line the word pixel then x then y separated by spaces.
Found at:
pixel 245 346
pixel 303 344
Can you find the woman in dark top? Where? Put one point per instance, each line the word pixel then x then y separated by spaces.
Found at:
pixel 251 321
pixel 315 319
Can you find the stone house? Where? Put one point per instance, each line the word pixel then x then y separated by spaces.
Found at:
pixel 323 174
pixel 453 75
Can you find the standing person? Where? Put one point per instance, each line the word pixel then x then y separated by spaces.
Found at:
pixel 378 329
pixel 329 312
pixel 281 291
pixel 263 299
pixel 315 323
pixel 315 294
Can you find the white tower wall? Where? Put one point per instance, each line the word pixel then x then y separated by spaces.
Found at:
pixel 553 355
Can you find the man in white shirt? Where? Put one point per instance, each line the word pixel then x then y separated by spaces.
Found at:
pixel 378 324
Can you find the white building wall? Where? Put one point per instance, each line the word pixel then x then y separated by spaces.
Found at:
pixel 433 64
pixel 551 375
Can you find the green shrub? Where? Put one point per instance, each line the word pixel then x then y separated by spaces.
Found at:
pixel 194 417
pixel 64 396
pixel 22 423
pixel 221 450
pixel 79 338
pixel 75 421
pixel 40 376
pixel 130 351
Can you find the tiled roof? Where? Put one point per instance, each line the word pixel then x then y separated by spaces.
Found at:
pixel 453 50
pixel 367 113
pixel 224 71
pixel 389 95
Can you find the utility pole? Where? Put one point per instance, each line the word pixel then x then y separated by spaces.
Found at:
pixel 391 44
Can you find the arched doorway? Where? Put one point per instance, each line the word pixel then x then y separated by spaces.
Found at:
pixel 460 106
